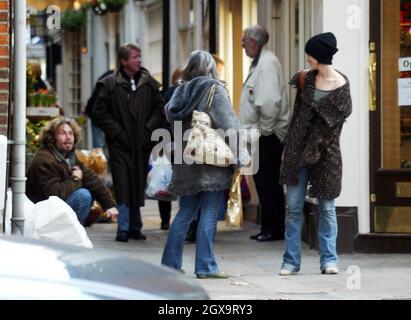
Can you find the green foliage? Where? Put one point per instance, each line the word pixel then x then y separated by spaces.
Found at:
pixel 100 7
pixel 81 121
pixel 33 142
pixel 40 99
pixel 73 20
pixel 115 3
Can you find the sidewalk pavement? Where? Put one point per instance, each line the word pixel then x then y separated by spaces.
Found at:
pixel 254 266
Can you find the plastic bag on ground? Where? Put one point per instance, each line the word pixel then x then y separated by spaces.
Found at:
pixel 51 219
pixel 55 220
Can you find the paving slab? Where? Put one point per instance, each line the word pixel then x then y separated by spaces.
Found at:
pixel 254 266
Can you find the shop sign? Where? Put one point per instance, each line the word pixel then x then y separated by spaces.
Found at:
pixel 42 111
pixel 404 92
pixel 404 64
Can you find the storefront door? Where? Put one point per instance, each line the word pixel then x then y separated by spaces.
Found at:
pixel 390 115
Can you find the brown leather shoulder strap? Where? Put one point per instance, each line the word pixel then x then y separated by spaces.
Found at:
pixel 302 79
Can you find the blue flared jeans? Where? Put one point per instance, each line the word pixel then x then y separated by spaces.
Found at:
pixel 208 203
pixel 328 229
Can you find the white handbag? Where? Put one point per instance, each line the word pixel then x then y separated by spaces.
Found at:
pixel 205 145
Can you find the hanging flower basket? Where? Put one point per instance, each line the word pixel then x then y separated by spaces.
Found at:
pixel 99 7
pixel 73 20
pixel 115 5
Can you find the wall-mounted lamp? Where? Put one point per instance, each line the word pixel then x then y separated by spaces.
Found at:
pixel 76 5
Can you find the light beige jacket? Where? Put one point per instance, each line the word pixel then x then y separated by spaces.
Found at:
pixel 264 103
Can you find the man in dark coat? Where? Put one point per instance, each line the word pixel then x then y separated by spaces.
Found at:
pixel 129 106
pixel 55 171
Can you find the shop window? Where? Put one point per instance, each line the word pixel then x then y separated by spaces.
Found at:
pixel 186 27
pixel 405 110
pixel 154 29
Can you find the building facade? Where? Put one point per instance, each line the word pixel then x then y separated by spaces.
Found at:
pixel 4 66
pixel 374 208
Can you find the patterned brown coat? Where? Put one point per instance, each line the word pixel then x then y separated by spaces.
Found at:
pixel 313 138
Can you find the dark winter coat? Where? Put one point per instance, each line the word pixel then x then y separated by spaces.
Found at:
pixel 313 138
pixel 191 179
pixel 47 176
pixel 128 118
pixel 92 100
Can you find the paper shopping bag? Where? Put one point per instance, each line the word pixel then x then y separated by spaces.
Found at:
pixel 234 213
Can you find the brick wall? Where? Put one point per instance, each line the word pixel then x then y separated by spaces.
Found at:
pixel 4 65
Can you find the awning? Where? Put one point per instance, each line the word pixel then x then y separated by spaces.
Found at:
pixel 41 5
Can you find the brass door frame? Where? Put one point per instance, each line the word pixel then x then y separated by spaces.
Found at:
pixel 375 126
pixel 383 183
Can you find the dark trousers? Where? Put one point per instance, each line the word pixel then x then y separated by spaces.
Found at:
pixel 270 192
pixel 165 211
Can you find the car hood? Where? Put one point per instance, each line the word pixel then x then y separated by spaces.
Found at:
pixel 102 274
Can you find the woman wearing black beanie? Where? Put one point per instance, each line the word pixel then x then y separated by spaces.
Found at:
pixel 312 152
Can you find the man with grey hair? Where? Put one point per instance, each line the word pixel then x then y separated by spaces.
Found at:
pixel 264 106
pixel 128 108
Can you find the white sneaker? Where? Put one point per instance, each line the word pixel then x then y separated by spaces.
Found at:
pixel 330 270
pixel 286 272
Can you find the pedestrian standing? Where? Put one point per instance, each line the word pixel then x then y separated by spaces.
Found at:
pixel 264 106
pixel 312 152
pixel 200 186
pixel 129 106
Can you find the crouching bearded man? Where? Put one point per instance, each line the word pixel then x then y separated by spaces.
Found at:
pixel 55 171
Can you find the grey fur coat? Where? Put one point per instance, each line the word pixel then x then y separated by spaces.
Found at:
pixel 192 95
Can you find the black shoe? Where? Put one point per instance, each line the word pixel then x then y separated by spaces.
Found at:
pixel 136 235
pixel 269 237
pixel 122 236
pixel 255 237
pixel 165 226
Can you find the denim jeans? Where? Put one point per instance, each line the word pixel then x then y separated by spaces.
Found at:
pixel 98 137
pixel 328 229
pixel 80 201
pixel 209 204
pixel 127 223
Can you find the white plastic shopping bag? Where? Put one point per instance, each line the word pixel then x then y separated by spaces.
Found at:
pixel 55 220
pixel 159 179
pixel 51 219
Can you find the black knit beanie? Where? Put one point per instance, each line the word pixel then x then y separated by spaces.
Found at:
pixel 322 47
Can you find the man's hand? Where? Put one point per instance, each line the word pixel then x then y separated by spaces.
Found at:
pixel 77 172
pixel 113 213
